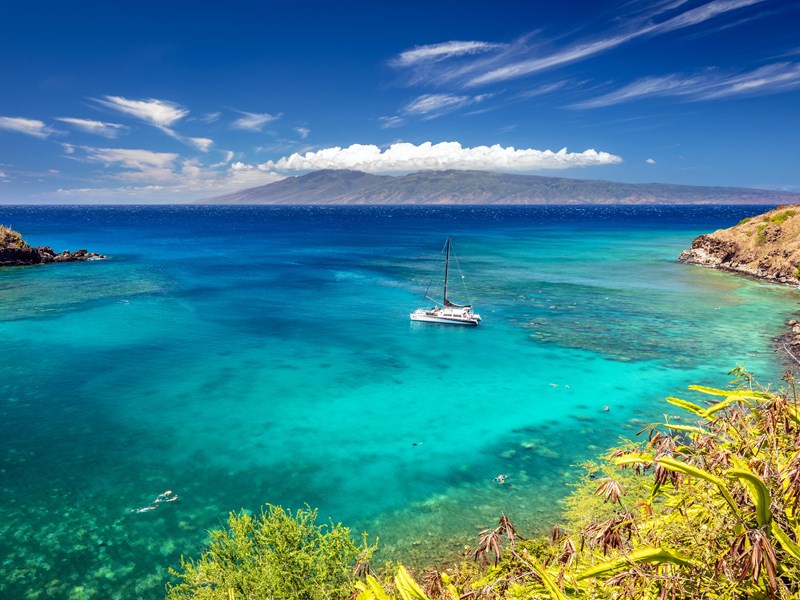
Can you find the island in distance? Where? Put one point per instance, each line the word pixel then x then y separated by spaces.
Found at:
pixel 346 187
pixel 15 252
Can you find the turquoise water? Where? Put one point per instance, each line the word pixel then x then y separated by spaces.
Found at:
pixel 244 355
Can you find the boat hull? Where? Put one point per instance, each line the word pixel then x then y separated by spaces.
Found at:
pixel 446 318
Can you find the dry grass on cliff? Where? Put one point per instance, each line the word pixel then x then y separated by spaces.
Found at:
pixel 768 244
pixel 10 238
pixel 780 225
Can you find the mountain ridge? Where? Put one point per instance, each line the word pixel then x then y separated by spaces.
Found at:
pixel 350 187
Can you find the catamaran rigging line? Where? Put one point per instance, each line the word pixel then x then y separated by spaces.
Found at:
pixel 450 312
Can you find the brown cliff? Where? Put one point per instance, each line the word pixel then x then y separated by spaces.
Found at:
pixel 765 247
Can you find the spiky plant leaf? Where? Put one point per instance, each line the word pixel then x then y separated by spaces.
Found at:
pixel 746 396
pixel 371 590
pixel 759 493
pixel 547 580
pixel 633 457
pixel 407 587
pixel 686 405
pixel 686 428
pixel 692 471
pixel 642 555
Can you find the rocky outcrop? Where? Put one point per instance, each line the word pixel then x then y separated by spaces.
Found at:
pixel 765 247
pixel 14 251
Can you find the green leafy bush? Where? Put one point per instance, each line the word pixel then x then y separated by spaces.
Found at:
pixel 761 235
pixel 276 556
pixel 708 507
pixel 781 218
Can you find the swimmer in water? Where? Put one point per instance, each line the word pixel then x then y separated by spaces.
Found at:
pixel 145 509
pixel 167 496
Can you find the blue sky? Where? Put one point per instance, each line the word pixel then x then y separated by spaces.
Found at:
pixel 140 102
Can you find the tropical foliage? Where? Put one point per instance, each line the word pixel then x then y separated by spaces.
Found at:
pixel 276 555
pixel 707 507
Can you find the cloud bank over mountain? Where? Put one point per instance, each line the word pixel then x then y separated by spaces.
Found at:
pixel 405 157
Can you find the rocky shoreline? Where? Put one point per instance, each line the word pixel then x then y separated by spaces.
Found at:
pixel 15 252
pixel 765 247
pixel 789 342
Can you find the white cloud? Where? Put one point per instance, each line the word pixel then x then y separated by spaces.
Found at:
pixel 200 143
pixel 3 177
pixel 302 132
pixel 711 84
pixel 769 79
pixel 436 52
pixel 650 161
pixel 405 157
pixel 434 105
pixel 209 117
pixel 109 130
pixel 545 89
pixel 228 158
pixel 502 62
pixel 160 113
pixel 69 148
pixel 241 175
pixel 703 13
pixel 254 121
pixel 390 122
pixel 136 165
pixel 31 127
pixel 521 68
pixel 144 175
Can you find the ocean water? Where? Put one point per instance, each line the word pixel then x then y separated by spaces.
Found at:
pixel 245 355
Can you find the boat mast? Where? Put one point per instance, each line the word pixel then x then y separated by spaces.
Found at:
pixel 446 266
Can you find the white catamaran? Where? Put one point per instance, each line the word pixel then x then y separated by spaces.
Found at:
pixel 447 312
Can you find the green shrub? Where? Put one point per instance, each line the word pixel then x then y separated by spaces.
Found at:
pixel 276 555
pixel 761 236
pixel 745 220
pixel 781 218
pixel 708 507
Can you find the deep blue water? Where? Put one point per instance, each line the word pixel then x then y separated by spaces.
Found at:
pixel 244 355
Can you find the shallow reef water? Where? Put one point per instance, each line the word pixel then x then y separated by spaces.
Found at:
pixel 245 355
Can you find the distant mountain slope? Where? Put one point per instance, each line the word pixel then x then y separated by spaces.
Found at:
pixel 482 187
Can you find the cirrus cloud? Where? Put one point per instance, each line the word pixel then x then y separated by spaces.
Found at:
pixel 136 164
pixel 430 106
pixel 709 85
pixel 32 127
pixel 405 157
pixel 160 113
pixel 435 52
pixel 254 121
pixel 109 130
